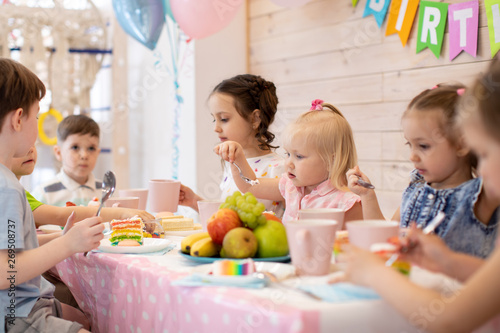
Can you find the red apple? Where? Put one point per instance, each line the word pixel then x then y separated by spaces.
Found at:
pixel 221 222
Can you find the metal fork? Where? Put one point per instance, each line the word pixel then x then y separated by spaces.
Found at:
pixel 365 184
pixel 246 179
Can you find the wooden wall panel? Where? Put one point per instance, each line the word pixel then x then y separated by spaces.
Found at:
pixel 326 49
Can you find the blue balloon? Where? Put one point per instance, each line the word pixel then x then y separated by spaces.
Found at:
pixel 141 19
pixel 167 10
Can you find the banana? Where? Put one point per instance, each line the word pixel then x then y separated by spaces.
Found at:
pixel 187 242
pixel 205 248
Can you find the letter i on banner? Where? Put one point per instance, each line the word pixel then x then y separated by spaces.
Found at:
pixel 401 16
pixel 431 24
pixel 493 14
pixel 463 20
pixel 378 8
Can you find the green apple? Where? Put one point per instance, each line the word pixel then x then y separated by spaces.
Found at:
pixel 272 240
pixel 239 243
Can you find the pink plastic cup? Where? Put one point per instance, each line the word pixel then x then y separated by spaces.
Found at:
pixel 311 245
pixel 336 214
pixel 142 193
pixel 365 233
pixel 164 195
pixel 123 202
pixel 207 208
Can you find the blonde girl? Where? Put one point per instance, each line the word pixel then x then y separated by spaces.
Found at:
pixel 479 299
pixel 319 149
pixel 443 178
pixel 243 108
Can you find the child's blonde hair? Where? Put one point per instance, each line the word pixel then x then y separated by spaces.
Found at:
pixel 328 131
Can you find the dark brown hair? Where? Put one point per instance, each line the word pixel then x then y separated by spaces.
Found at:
pixel 251 92
pixel 482 99
pixel 77 124
pixel 443 98
pixel 19 88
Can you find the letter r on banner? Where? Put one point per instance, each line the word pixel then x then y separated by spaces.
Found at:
pixel 431 25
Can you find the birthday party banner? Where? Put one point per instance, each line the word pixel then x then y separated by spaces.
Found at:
pixel 431 24
pixel 377 8
pixel 401 17
pixel 463 20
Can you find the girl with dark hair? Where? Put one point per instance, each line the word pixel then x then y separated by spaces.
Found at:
pixel 243 108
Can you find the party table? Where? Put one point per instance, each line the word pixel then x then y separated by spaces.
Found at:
pixel 134 293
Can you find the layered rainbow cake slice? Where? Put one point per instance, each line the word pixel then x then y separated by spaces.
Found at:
pixel 128 229
pixel 233 267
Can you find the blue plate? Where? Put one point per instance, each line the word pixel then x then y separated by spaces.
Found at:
pixel 207 260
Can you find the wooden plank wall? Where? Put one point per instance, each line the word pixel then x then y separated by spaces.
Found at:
pixel 326 50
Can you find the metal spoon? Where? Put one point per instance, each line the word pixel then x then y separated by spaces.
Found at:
pixel 108 188
pixel 246 179
pixel 436 221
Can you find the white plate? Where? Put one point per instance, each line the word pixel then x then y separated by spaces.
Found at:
pixel 50 228
pixel 149 245
pixel 183 233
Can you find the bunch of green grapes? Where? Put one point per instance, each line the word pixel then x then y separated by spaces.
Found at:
pixel 248 208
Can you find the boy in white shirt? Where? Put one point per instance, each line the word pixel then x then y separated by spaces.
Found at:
pixel 26 299
pixel 77 149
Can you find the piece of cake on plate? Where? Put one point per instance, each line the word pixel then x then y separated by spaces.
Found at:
pixel 127 232
pixel 171 222
pixel 233 267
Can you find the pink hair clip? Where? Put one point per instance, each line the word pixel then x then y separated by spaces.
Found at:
pixel 460 91
pixel 316 105
pixel 436 86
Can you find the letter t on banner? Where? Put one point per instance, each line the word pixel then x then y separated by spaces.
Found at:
pixel 463 20
pixel 401 16
pixel 431 24
pixel 378 8
pixel 493 14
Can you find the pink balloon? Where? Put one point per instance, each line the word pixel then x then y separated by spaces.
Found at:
pixel 202 18
pixel 290 3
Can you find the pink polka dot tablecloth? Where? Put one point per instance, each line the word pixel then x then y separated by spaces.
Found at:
pixel 133 293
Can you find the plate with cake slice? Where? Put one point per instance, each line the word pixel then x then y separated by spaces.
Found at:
pixel 148 245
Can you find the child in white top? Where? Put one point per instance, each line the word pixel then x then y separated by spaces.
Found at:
pixel 77 149
pixel 243 108
pixel 479 299
pixel 320 149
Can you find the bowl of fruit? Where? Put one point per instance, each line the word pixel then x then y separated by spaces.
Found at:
pixel 239 229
